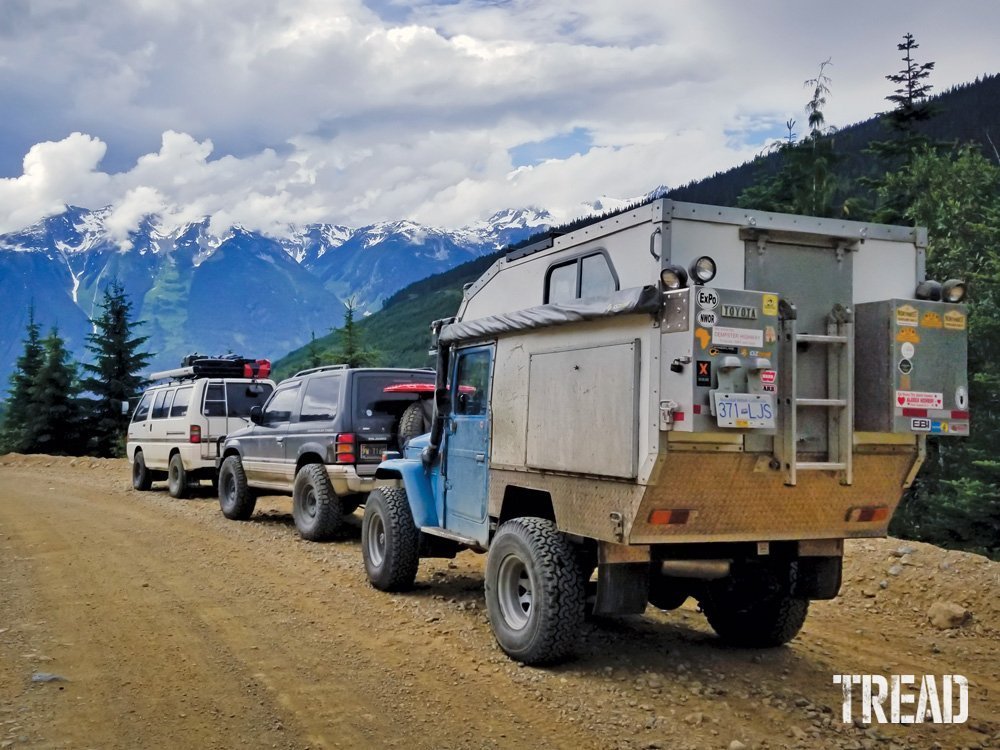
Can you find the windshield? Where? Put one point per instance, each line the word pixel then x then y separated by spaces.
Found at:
pixel 374 409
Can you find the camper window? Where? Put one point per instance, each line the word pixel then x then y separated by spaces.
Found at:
pixel 181 401
pixel 585 276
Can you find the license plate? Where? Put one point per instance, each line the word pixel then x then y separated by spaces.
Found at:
pixel 372 451
pixel 744 410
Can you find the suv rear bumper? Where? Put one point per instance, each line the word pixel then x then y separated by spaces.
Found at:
pixel 345 480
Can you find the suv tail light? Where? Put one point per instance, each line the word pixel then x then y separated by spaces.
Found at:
pixel 195 435
pixel 345 448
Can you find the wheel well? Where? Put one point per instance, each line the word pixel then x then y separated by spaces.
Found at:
pixel 307 458
pixel 173 452
pixel 523 501
pixel 230 452
pixel 136 452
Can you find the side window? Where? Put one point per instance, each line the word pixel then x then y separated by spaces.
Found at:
pixel 215 400
pixel 241 397
pixel 596 279
pixel 319 403
pixel 279 408
pixel 562 283
pixel 160 405
pixel 588 276
pixel 181 401
pixel 142 410
pixel 472 381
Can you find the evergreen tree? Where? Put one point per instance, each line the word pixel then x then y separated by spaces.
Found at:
pixel 18 405
pixel 806 181
pixel 956 500
pixel 113 376
pixel 53 424
pixel 351 350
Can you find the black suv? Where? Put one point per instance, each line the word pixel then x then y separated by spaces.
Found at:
pixel 320 437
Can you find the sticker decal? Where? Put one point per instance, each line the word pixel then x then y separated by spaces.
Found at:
pixel 907 350
pixel 931 319
pixel 920 425
pixel 939 428
pixel 959 428
pixel 905 366
pixel 908 335
pixel 707 318
pixel 708 299
pixel 768 377
pixel 737 336
pixel 954 320
pixel 703 337
pixel 740 312
pixel 907 315
pixel 717 350
pixel 770 335
pixel 703 375
pixel 919 400
pixel 769 305
pixel 961 397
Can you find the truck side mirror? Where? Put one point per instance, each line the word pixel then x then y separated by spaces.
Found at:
pixel 256 414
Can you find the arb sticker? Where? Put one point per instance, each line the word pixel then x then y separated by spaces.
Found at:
pixel 919 400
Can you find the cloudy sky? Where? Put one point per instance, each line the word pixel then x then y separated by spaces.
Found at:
pixel 355 111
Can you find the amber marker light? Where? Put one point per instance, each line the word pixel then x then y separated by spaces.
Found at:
pixel 868 514
pixel 661 517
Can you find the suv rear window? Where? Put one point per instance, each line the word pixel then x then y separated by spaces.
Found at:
pixel 374 409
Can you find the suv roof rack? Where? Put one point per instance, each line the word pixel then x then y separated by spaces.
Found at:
pixel 320 369
pixel 196 366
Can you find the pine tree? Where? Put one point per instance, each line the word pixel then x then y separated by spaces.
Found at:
pixel 17 407
pixel 113 375
pixel 53 424
pixel 351 350
pixel 806 182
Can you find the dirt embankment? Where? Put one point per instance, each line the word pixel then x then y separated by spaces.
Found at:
pixel 133 620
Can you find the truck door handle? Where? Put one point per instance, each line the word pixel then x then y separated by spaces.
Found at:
pixel 279 440
pixel 480 458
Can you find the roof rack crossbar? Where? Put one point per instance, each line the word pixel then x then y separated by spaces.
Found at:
pixel 320 369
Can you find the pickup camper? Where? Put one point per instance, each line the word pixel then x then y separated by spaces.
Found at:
pixel 677 401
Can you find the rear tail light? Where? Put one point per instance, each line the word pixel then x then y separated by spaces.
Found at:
pixel 194 436
pixel 344 448
pixel 868 514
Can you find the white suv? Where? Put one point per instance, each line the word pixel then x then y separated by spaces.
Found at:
pixel 178 427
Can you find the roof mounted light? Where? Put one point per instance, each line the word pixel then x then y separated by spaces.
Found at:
pixel 673 277
pixel 953 290
pixel 703 270
pixel 929 289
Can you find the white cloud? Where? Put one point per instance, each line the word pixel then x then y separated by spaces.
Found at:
pixel 266 114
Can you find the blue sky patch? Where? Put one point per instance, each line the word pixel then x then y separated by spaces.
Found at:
pixel 562 146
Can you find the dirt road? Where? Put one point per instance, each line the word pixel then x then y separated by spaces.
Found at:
pixel 170 627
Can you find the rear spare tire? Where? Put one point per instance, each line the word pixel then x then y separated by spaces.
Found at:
pixel 763 623
pixel 413 422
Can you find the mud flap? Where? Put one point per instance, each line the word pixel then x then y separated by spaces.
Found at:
pixel 622 588
pixel 816 577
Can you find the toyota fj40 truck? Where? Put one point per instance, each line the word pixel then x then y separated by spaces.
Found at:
pixel 695 401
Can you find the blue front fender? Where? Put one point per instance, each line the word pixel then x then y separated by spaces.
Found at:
pixel 419 485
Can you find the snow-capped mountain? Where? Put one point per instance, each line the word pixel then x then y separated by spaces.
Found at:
pixel 239 291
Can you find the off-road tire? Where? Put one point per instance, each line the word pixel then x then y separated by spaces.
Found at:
pixel 535 591
pixel 142 478
pixel 236 499
pixel 390 541
pixel 316 508
pixel 177 479
pixel 413 422
pixel 764 623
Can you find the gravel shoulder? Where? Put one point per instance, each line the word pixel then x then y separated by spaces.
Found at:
pixel 169 626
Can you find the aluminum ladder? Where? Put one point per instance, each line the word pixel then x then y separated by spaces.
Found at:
pixel 839 340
